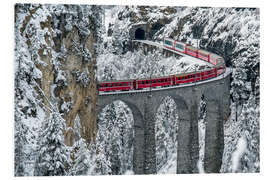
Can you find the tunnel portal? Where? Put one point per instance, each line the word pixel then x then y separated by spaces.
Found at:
pixel 140 34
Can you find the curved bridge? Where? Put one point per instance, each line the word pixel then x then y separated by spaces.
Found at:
pixel 144 104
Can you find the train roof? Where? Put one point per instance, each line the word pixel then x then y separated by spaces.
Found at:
pixel 204 51
pixel 181 42
pixel 170 39
pixel 115 80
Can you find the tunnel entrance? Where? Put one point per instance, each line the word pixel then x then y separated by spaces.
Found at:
pixel 140 34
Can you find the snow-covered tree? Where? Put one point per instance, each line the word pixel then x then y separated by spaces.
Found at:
pixel 166 136
pixel 83 155
pixel 20 141
pixel 114 139
pixel 53 158
pixel 102 161
pixel 250 161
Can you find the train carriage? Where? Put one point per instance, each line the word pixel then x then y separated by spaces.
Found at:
pixel 154 82
pixel 204 55
pixel 124 85
pixel 190 50
pixel 215 59
pixel 169 43
pixel 179 46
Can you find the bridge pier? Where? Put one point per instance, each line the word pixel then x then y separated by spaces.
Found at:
pixel 188 144
pixel 194 139
pixel 150 145
pixel 139 140
pixel 214 136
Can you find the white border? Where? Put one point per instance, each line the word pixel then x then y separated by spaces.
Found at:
pixel 7 76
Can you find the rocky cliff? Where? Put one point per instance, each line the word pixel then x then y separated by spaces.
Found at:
pixel 59 43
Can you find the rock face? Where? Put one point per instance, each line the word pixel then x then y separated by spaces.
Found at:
pixel 81 90
pixel 61 42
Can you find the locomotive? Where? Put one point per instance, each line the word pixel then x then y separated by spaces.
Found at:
pixel 171 80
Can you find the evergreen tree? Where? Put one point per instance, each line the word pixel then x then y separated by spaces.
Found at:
pixel 83 158
pixel 102 162
pixel 114 140
pixel 20 140
pixel 166 132
pixel 250 161
pixel 53 158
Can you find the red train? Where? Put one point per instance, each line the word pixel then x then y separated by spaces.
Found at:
pixel 172 80
pixel 192 51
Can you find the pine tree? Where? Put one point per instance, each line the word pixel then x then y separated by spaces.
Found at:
pixel 114 140
pixel 53 157
pixel 20 140
pixel 166 132
pixel 102 162
pixel 250 161
pixel 83 158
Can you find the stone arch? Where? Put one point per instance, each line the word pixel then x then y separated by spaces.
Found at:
pixel 140 34
pixel 138 143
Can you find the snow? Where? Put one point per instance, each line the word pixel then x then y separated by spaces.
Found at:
pixel 170 166
pixel 201 134
pixel 238 153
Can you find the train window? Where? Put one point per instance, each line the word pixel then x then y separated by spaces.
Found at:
pixel 168 42
pixel 179 46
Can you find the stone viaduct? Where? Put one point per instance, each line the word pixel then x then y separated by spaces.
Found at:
pixel 144 105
